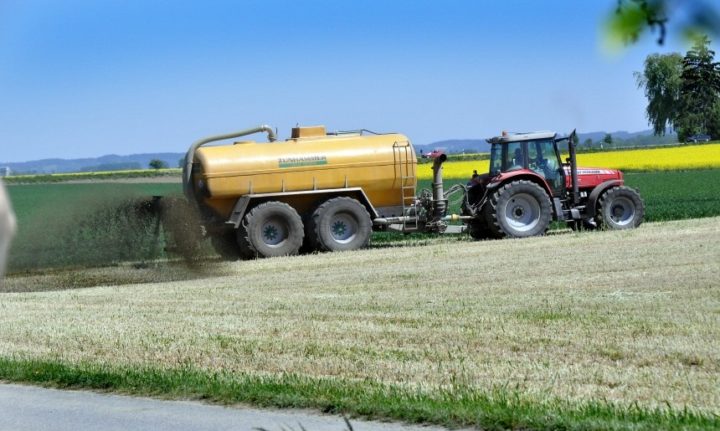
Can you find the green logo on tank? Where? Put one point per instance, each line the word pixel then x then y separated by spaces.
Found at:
pixel 295 162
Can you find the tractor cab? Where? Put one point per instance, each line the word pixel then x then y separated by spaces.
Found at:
pixel 528 153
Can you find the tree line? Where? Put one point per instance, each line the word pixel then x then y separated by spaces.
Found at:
pixel 683 92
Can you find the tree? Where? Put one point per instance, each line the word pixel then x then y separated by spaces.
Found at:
pixel 633 17
pixel 662 81
pixel 587 143
pixel 700 92
pixel 608 140
pixel 157 164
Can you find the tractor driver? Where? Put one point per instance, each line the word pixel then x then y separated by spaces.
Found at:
pixel 545 167
pixel 517 161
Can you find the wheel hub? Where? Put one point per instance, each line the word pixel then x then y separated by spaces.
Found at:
pixel 622 211
pixel 274 232
pixel 343 228
pixel 522 213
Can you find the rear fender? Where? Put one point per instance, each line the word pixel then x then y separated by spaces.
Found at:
pixel 591 207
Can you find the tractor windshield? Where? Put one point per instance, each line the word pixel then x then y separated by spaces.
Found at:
pixel 545 161
pixel 507 157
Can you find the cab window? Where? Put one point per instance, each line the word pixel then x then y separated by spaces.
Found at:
pixel 507 157
pixel 543 159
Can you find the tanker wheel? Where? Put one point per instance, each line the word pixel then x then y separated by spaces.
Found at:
pixel 478 229
pixel 620 208
pixel 518 209
pixel 340 224
pixel 272 229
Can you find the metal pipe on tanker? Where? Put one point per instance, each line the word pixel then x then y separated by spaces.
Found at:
pixel 187 168
pixel 439 203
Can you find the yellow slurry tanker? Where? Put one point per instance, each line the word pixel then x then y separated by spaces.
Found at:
pixel 315 191
pixel 329 191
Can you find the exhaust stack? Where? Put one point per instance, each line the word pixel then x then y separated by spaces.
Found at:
pixel 439 201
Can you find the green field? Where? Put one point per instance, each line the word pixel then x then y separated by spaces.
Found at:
pixel 79 224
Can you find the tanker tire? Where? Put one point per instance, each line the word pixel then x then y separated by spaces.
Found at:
pixel 272 229
pixel 620 208
pixel 244 249
pixel 340 224
pixel 518 209
pixel 478 230
pixel 226 246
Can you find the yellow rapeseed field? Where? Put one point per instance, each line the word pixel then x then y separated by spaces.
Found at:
pixel 656 159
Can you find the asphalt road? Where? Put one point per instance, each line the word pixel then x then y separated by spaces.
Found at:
pixel 38 409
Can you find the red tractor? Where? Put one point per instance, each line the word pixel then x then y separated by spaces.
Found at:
pixel 529 186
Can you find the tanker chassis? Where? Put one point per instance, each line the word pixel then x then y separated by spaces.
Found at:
pixel 319 191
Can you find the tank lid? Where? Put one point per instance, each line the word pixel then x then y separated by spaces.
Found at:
pixel 308 132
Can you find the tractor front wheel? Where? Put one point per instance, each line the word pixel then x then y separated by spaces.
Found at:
pixel 620 208
pixel 518 209
pixel 271 229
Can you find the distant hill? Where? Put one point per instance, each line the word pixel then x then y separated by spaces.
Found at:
pixel 114 162
pixel 111 162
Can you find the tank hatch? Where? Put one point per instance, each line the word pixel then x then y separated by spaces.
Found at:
pixel 308 132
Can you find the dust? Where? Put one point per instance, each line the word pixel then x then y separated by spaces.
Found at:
pixel 108 229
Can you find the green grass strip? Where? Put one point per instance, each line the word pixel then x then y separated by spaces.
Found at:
pixel 497 410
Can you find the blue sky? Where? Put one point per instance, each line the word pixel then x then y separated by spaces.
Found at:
pixel 84 78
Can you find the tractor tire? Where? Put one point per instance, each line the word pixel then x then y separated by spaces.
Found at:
pixel 226 245
pixel 340 224
pixel 478 230
pixel 620 208
pixel 518 209
pixel 271 229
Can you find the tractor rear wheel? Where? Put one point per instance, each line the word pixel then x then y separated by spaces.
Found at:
pixel 620 208
pixel 340 224
pixel 272 229
pixel 518 209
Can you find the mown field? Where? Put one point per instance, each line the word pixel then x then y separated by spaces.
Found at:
pixel 599 330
